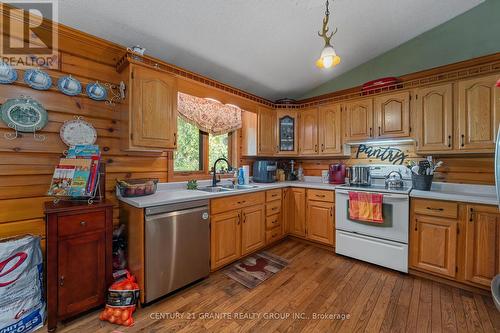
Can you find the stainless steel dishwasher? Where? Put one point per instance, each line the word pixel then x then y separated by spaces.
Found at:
pixel 177 247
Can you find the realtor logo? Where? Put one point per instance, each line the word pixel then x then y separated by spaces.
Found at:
pixel 29 34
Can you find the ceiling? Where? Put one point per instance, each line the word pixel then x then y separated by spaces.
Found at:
pixel 266 47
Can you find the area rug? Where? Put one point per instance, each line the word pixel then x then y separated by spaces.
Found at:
pixel 255 269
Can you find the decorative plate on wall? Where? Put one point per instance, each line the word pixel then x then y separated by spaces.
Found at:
pixel 96 91
pixel 24 114
pixel 78 132
pixel 7 73
pixel 69 85
pixel 37 79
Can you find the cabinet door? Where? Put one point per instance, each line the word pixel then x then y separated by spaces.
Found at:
pixel 225 243
pixel 287 132
pixel 82 273
pixel 319 221
pixel 392 115
pixel 434 107
pixel 267 131
pixel 359 119
pixel 478 113
pixel 308 127
pixel 248 133
pixel 286 211
pixel 433 245
pixel 482 256
pixel 297 202
pixel 154 109
pixel 253 229
pixel 330 129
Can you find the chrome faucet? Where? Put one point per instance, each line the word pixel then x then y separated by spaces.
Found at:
pixel 214 179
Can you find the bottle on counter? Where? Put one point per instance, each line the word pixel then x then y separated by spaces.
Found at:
pixel 300 173
pixel 241 176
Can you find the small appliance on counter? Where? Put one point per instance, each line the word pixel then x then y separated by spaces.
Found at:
pixel 359 175
pixel 336 173
pixel 264 171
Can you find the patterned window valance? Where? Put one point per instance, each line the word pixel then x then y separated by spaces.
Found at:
pixel 209 115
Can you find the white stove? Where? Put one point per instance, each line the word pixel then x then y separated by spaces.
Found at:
pixel 386 243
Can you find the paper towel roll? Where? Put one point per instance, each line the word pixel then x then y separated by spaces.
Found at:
pixel 246 174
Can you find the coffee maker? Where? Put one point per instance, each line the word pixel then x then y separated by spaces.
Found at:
pixel 264 171
pixel 336 173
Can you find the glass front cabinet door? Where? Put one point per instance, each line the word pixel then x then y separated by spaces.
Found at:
pixel 287 132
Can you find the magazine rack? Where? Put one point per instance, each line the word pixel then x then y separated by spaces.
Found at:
pixel 97 195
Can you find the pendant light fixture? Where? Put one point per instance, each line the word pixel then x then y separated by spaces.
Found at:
pixel 328 57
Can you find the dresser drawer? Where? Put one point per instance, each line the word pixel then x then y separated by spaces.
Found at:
pixel 79 223
pixel 321 195
pixel 273 207
pixel 273 234
pixel 236 202
pixel 273 221
pixel 272 195
pixel 435 208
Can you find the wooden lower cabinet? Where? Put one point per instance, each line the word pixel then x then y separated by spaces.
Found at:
pixel 296 204
pixel 434 244
pixel 482 244
pixel 465 249
pixel 320 221
pixel 225 238
pixel 253 229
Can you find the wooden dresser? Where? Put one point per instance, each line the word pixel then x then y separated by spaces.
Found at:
pixel 79 257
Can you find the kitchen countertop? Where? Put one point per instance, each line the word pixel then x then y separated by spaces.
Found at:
pixel 480 194
pixel 169 193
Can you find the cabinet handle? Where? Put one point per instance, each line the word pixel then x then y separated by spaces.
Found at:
pixel 438 209
pixel 239 219
pixel 83 223
pixel 462 137
pixel 275 221
pixel 61 281
pixel 244 217
pixel 449 141
pixel 470 216
pixel 316 148
pixel 371 131
pixel 379 131
pixel 322 147
pixel 241 202
pixel 274 208
pixel 274 195
pixel 175 139
pixel 320 195
pixel 331 211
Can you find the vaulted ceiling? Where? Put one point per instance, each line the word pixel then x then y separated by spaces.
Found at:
pixel 266 47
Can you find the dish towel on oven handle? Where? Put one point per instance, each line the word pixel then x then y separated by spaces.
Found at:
pixel 365 206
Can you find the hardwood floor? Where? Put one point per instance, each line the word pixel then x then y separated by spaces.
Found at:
pixel 373 299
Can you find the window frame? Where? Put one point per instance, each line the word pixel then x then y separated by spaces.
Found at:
pixel 204 173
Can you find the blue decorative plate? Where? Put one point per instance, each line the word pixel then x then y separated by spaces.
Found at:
pixel 69 85
pixel 96 91
pixel 37 79
pixel 7 73
pixel 24 114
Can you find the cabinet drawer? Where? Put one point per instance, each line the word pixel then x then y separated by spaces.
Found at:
pixel 273 221
pixel 236 202
pixel 321 195
pixel 272 195
pixel 273 234
pixel 436 208
pixel 78 223
pixel 273 207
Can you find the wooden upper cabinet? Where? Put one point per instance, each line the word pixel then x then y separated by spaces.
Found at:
pixel 359 119
pixel 319 221
pixel 287 132
pixel 248 133
pixel 225 242
pixel 296 211
pixel 478 113
pixel 434 108
pixel 253 229
pixel 482 249
pixel 433 245
pixel 153 109
pixel 308 132
pixel 266 131
pixel 330 130
pixel 392 115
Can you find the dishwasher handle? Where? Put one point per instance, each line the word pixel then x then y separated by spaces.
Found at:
pixel 204 216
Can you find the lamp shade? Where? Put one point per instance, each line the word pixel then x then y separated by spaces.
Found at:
pixel 328 58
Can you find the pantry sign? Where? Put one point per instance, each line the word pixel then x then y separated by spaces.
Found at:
pixel 389 154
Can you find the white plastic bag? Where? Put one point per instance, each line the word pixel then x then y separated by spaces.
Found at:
pixel 22 306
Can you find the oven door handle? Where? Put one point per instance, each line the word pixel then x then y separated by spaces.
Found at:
pixel 386 195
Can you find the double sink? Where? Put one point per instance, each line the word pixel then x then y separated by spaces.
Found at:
pixel 226 188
